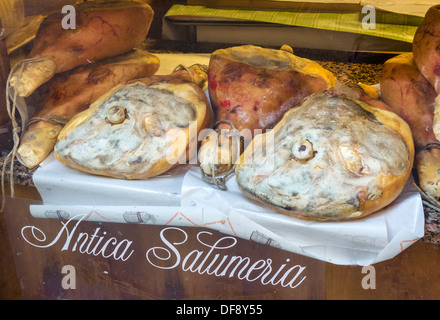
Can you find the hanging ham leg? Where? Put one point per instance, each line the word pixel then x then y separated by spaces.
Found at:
pixel 426 52
pixel 410 95
pixel 103 29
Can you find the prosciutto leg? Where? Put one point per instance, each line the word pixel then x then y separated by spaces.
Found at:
pixel 250 89
pixel 71 92
pixel 325 160
pixel 426 52
pixel 137 130
pixel 410 95
pixel 103 29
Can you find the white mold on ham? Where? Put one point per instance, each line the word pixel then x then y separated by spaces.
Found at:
pixel 334 158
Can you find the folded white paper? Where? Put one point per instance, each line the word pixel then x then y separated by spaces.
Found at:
pixel 58 184
pixel 366 241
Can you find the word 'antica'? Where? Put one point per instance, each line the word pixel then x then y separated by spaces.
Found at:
pixel 97 244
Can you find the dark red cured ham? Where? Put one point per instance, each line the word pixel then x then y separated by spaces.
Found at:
pixel 103 29
pixel 411 96
pixel 250 89
pixel 426 52
pixel 253 87
pixel 425 47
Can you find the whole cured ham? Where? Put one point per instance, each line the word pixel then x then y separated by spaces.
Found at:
pixel 325 160
pixel 253 87
pixel 411 96
pixel 250 89
pixel 73 91
pixel 103 29
pixel 425 48
pixel 138 130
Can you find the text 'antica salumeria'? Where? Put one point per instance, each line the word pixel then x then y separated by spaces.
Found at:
pixel 211 260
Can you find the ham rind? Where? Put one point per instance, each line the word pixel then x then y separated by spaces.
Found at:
pixel 410 95
pixel 103 29
pixel 71 92
pixel 137 130
pixel 325 160
pixel 425 47
pixel 253 87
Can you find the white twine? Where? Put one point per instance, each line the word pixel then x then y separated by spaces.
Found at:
pixel 11 94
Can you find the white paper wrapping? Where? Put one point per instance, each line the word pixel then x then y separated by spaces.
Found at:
pixel 58 184
pixel 376 238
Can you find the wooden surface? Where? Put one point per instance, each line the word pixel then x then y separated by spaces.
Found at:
pixel 413 274
pixel 9 285
pixel 9 282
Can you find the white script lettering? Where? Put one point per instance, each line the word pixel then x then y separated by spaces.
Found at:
pixel 84 242
pixel 211 262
